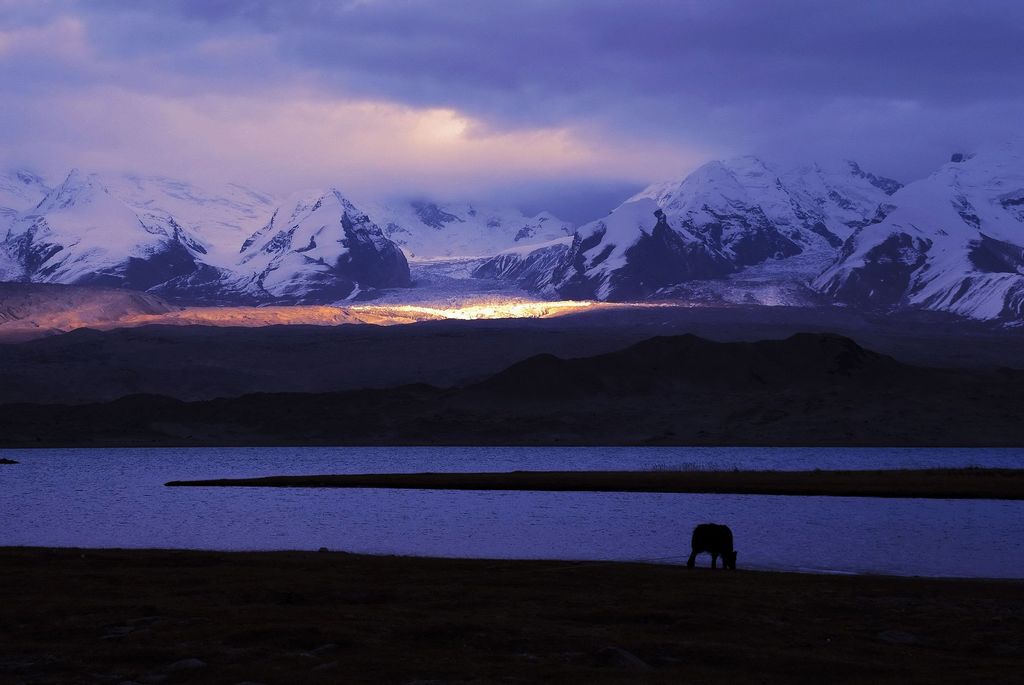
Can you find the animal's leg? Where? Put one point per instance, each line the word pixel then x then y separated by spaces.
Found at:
pixel 692 560
pixel 714 560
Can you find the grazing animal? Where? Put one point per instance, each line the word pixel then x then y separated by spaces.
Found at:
pixel 716 540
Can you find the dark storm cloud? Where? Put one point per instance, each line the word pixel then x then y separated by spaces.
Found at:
pixel 485 56
pixel 897 84
pixel 733 73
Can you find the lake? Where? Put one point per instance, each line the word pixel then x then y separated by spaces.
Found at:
pixel 116 498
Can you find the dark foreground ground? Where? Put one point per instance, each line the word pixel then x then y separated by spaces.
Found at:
pixel 109 616
pixel 968 483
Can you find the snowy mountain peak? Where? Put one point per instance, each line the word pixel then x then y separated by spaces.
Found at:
pixel 304 208
pixel 219 219
pixel 725 217
pixel 953 241
pixel 24 183
pixel 319 246
pixel 631 253
pixel 81 233
pixel 751 211
pixel 20 191
pixel 218 233
pixel 430 230
pixel 77 189
pixel 730 177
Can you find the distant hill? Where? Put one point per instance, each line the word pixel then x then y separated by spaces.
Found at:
pixel 809 389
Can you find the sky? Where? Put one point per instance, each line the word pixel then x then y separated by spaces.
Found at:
pixel 568 105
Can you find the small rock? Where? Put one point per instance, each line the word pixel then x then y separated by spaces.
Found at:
pixel 186 665
pixel 7 461
pixel 323 549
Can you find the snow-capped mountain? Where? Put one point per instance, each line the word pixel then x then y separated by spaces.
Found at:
pixel 319 247
pixel 80 233
pixel 20 190
pixel 223 244
pixel 742 231
pixel 722 218
pixel 952 242
pixel 219 218
pixel 738 231
pixel 426 230
pixel 173 238
pixel 632 253
pixel 752 211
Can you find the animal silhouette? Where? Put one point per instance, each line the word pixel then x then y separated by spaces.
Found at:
pixel 716 540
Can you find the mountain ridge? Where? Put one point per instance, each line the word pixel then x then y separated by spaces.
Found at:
pixel 739 231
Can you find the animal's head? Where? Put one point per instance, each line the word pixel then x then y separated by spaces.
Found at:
pixel 729 559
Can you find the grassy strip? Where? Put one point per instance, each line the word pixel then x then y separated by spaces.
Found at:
pixel 967 483
pixel 301 617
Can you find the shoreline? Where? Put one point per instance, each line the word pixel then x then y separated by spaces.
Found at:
pixel 551 563
pixel 75 614
pixel 960 483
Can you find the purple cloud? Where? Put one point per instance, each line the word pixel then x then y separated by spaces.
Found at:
pixel 898 85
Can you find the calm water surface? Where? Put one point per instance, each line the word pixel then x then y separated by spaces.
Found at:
pixel 116 498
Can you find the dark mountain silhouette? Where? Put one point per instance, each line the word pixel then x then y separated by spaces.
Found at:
pixel 810 389
pixel 675 363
